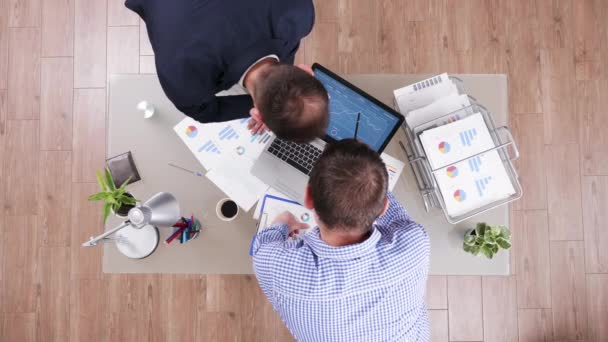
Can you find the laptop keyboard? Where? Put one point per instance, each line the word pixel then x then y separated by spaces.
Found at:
pixel 300 156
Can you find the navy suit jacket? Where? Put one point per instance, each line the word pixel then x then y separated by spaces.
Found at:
pixel 202 47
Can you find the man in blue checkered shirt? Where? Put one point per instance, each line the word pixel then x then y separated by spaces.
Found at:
pixel 361 274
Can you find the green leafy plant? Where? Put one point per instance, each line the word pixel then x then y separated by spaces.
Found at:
pixel 487 240
pixel 114 197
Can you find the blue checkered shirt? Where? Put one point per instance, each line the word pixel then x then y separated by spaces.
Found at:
pixel 371 291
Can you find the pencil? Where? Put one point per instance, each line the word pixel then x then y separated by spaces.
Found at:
pixel 174 235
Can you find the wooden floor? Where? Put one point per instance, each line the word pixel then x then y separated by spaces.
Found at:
pixel 55 56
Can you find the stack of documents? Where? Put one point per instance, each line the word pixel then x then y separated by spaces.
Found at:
pixel 227 150
pixel 467 177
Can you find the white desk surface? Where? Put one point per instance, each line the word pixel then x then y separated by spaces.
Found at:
pixel 223 247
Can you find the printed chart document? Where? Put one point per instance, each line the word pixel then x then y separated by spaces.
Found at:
pixel 394 167
pixel 474 183
pixel 424 93
pixel 227 150
pixel 272 206
pixel 458 140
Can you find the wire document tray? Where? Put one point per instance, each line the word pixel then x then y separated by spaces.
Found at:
pixel 425 175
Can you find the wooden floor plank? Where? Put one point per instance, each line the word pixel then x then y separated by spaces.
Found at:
pixel 499 308
pixel 532 161
pixel 593 122
pixel 326 10
pixel 89 135
pixel 55 189
pixel 428 56
pixel 4 51
pixel 597 306
pixel 523 66
pixel 595 216
pixel 145 48
pixel 19 327
pixel 436 292
pixel 557 86
pixel 535 325
pixel 24 13
pixel 86 221
pixel 568 290
pixel 24 73
pixel 134 311
pixel 20 264
pixel 219 326
pixel 322 45
pixel 258 321
pixel 465 315
pixel 478 61
pixel 3 147
pixel 357 43
pixel 185 300
pixel 223 293
pixel 391 35
pixel 88 310
pixel 532 263
pixel 123 50
pixel 90 43
pixel 19 178
pixel 56 102
pixel 564 192
pixel 53 319
pixel 438 320
pixel 590 31
pixel 556 23
pixel 120 15
pixel 57 28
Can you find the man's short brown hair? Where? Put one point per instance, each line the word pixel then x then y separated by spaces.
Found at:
pixel 348 186
pixel 293 104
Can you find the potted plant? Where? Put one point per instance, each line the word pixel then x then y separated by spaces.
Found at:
pixel 486 239
pixel 116 199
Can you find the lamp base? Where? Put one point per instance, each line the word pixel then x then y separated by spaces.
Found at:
pixel 137 243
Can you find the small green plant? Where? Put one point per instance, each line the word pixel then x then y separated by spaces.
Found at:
pixel 487 240
pixel 114 197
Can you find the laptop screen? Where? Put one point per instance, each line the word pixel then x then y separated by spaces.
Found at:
pixel 376 124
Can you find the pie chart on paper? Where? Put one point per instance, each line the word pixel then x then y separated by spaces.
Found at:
pixel 191 131
pixel 444 147
pixel 460 195
pixel 452 171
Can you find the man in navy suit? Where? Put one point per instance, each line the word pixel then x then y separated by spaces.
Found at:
pixel 203 47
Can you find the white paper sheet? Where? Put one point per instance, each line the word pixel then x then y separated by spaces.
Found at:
pixel 474 183
pixel 438 109
pixel 458 140
pixel 238 184
pixel 423 93
pixel 394 167
pixel 274 207
pixel 221 143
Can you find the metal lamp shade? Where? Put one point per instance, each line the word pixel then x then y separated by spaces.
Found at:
pixel 161 209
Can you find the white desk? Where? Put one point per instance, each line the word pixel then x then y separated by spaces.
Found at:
pixel 223 247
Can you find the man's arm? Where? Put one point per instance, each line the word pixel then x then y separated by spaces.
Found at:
pixel 267 245
pixel 219 108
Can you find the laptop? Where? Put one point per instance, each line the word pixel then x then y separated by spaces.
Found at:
pixel 285 165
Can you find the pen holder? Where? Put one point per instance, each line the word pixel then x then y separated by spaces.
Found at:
pixel 185 230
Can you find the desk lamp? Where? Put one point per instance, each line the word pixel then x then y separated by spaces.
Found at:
pixel 138 236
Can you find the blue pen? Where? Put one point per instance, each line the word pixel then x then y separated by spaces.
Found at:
pixel 196 173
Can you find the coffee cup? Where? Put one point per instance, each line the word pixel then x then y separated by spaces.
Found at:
pixel 227 209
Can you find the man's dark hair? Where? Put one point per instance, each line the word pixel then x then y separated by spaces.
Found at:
pixel 348 186
pixel 294 104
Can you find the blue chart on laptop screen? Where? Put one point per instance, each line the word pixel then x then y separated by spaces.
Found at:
pixel 375 124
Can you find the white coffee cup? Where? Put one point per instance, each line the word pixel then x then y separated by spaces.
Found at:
pixel 220 214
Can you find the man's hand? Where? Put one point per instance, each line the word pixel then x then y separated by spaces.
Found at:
pixel 291 221
pixel 255 125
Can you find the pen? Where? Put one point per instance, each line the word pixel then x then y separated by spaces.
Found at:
pixel 357 125
pixel 196 173
pixel 174 235
pixel 403 148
